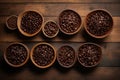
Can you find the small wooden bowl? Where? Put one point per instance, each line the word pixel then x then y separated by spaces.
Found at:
pixel 100 55
pixel 93 35
pixel 19 24
pixel 13 24
pixel 70 65
pixel 78 27
pixel 16 65
pixel 33 61
pixel 43 29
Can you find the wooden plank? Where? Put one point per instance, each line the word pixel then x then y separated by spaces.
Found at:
pixel 55 9
pixel 58 1
pixel 7 35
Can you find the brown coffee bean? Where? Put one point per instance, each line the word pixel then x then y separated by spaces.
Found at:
pixel 89 54
pixel 16 54
pixel 69 21
pixel 51 28
pixel 31 22
pixel 66 56
pixel 99 23
pixel 12 22
pixel 43 54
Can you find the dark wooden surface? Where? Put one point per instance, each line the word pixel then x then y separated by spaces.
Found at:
pixel 108 69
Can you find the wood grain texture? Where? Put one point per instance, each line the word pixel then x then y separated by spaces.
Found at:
pixel 50 9
pixel 109 67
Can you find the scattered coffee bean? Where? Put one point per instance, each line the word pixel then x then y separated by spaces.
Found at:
pixel 89 54
pixel 99 23
pixel 31 22
pixel 12 22
pixel 16 54
pixel 66 56
pixel 43 54
pixel 51 28
pixel 69 21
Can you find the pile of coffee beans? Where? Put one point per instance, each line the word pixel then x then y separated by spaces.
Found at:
pixel 66 56
pixel 99 23
pixel 43 54
pixel 31 22
pixel 51 28
pixel 12 22
pixel 89 54
pixel 69 21
pixel 16 54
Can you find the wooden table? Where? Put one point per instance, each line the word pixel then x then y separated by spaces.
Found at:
pixel 108 69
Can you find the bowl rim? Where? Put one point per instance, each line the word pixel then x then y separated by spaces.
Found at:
pixel 19 23
pixel 7 22
pixel 77 29
pixel 85 26
pixel 100 58
pixel 13 65
pixel 31 55
pixel 74 59
pixel 54 34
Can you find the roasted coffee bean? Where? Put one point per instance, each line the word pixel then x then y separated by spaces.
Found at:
pixel 69 21
pixel 66 56
pixel 31 22
pixel 43 54
pixel 99 23
pixel 89 54
pixel 16 54
pixel 12 22
pixel 51 28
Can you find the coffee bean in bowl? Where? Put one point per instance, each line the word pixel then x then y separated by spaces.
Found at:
pixel 89 54
pixel 69 22
pixel 16 54
pixel 98 23
pixel 11 22
pixel 43 55
pixel 50 29
pixel 66 56
pixel 30 23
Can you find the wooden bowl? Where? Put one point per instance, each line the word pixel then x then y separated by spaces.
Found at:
pixel 11 22
pixel 51 29
pixel 29 22
pixel 40 59
pixel 14 58
pixel 66 58
pixel 88 56
pixel 102 26
pixel 69 22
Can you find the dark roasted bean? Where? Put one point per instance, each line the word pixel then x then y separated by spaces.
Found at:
pixel 12 22
pixel 66 56
pixel 51 28
pixel 16 54
pixel 31 22
pixel 69 21
pixel 43 54
pixel 89 54
pixel 99 23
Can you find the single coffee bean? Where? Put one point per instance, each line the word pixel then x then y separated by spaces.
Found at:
pixel 31 22
pixel 99 23
pixel 12 22
pixel 69 21
pixel 16 54
pixel 51 28
pixel 66 56
pixel 89 54
pixel 43 54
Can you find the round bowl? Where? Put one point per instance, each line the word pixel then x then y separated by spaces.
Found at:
pixel 30 23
